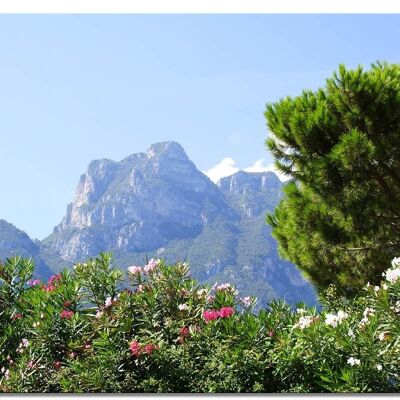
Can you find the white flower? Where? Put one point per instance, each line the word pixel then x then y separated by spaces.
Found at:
pixel 202 293
pixel 183 307
pixel 351 333
pixel 379 367
pixel 396 262
pixel 381 336
pixel 393 274
pixel 304 322
pixel 364 321
pixel 6 373
pixel 368 311
pixel 99 314
pixel 353 361
pixel 224 286
pixel 331 319
pixel 300 311
pixel 335 319
pixel 384 286
pixel 140 288
pixel 376 288
pixel 36 324
pixel 134 270
pixel 246 301
pixel 25 342
pixel 342 315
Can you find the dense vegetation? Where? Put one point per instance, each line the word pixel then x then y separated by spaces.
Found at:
pixel 340 219
pixel 95 328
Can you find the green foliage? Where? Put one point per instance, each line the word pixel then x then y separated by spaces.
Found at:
pixel 82 332
pixel 340 219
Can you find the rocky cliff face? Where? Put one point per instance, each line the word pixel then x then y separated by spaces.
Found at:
pixel 14 242
pixel 252 194
pixel 138 204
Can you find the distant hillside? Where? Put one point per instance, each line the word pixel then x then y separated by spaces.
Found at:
pixel 14 242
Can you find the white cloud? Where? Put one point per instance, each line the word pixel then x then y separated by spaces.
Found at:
pixel 224 168
pixel 259 166
pixel 228 167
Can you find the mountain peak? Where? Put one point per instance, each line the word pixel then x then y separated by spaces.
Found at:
pixel 167 149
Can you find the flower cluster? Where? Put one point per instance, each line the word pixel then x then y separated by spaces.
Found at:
pixel 66 314
pixel 147 269
pixel 212 315
pixel 392 275
pixel 368 312
pixel 137 349
pixel 353 361
pixel 34 282
pixel 52 283
pixel 304 322
pixel 151 266
pixel 335 319
pixel 183 333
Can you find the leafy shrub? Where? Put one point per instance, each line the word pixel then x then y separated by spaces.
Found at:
pixel 154 329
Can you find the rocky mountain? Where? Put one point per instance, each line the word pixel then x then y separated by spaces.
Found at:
pixel 157 204
pixel 14 242
pixel 138 204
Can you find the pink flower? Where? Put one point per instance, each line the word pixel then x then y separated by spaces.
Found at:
pixel 108 302
pixel 57 364
pixel 134 270
pixel 87 346
pixel 66 314
pixel 226 312
pixel 149 348
pixel 31 364
pixel 134 346
pixel 49 288
pixel 184 331
pixel 34 282
pixel 17 316
pixel 150 267
pixel 99 313
pixel 67 303
pixel 210 298
pixel 210 315
pixel 24 342
pixel 53 279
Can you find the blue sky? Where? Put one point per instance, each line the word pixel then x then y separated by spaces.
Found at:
pixel 76 88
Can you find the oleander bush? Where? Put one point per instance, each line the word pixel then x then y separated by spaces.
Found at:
pixel 154 329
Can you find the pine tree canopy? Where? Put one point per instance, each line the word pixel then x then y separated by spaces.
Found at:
pixel 340 219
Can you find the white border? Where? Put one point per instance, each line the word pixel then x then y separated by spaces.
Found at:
pixel 200 6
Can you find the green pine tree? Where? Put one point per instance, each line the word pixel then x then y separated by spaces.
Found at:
pixel 340 219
